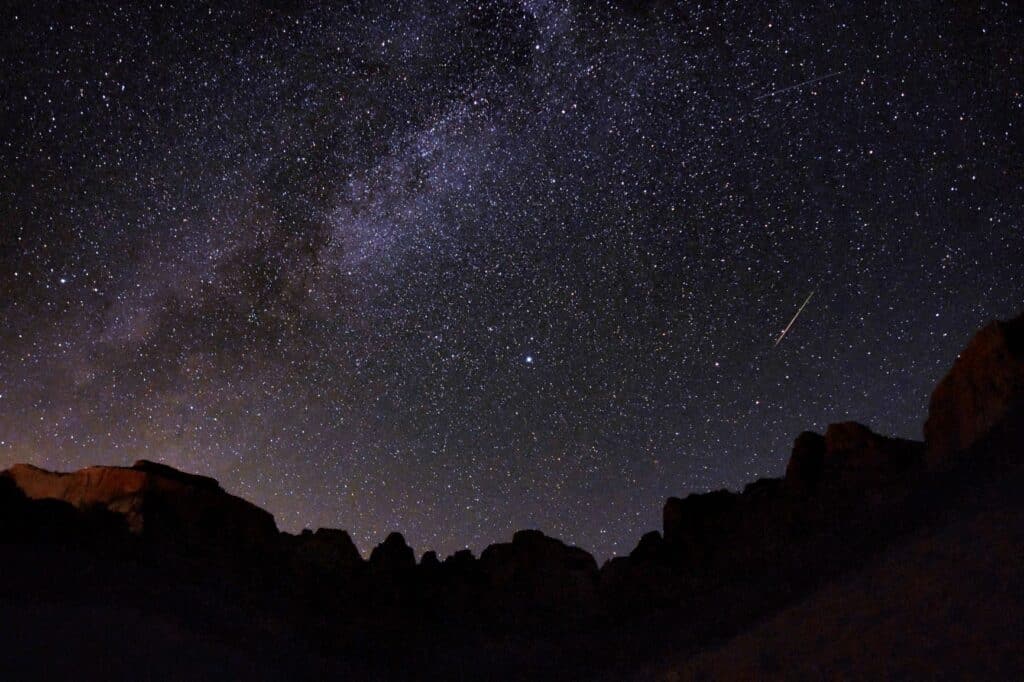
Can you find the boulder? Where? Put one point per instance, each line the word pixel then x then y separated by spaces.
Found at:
pixel 984 388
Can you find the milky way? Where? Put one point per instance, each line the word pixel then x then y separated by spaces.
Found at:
pixel 458 270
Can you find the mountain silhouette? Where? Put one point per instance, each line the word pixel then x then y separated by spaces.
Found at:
pixel 874 557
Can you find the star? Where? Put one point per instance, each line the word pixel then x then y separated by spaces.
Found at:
pixel 293 262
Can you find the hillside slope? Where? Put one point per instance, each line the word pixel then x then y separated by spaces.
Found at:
pixel 946 604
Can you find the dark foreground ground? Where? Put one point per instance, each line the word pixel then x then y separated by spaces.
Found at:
pixel 947 603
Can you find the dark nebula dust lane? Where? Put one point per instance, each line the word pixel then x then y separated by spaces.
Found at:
pixel 459 269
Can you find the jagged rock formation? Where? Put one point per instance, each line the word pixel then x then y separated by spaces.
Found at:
pixel 540 570
pixel 916 611
pixel 853 456
pixel 328 550
pixel 984 388
pixel 156 501
pixel 722 560
pixel 844 466
pixel 806 463
pixel 393 555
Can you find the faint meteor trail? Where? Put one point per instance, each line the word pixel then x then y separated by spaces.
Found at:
pixel 799 310
pixel 800 85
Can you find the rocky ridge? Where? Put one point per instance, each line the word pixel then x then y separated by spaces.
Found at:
pixel 721 560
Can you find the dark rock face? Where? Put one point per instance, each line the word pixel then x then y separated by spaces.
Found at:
pixel 328 549
pixel 461 561
pixel 984 388
pixel 696 525
pixel 429 560
pixel 157 502
pixel 393 556
pixel 857 457
pixel 849 455
pixel 767 541
pixel 51 520
pixel 541 570
pixel 650 547
pixel 640 584
pixel 806 463
pixel 169 472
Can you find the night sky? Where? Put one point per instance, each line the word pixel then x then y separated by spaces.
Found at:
pixel 459 269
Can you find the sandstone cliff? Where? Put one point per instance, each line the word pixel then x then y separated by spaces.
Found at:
pixel 156 501
pixel 984 388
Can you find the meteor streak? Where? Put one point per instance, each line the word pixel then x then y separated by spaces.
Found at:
pixel 799 310
pixel 800 85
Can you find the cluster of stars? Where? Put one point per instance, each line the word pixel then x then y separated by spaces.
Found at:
pixel 460 270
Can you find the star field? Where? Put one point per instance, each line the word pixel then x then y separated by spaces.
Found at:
pixel 458 269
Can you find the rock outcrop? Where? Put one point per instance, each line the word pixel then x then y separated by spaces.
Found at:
pixel 393 557
pixel 855 456
pixel 157 502
pixel 696 525
pixel 326 550
pixel 806 462
pixel 849 455
pixel 541 571
pixel 984 388
pixel 429 561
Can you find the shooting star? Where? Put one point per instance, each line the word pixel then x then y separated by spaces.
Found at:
pixel 801 84
pixel 799 310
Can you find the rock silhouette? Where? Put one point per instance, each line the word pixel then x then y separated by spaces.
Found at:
pixel 984 388
pixel 156 501
pixel 213 568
